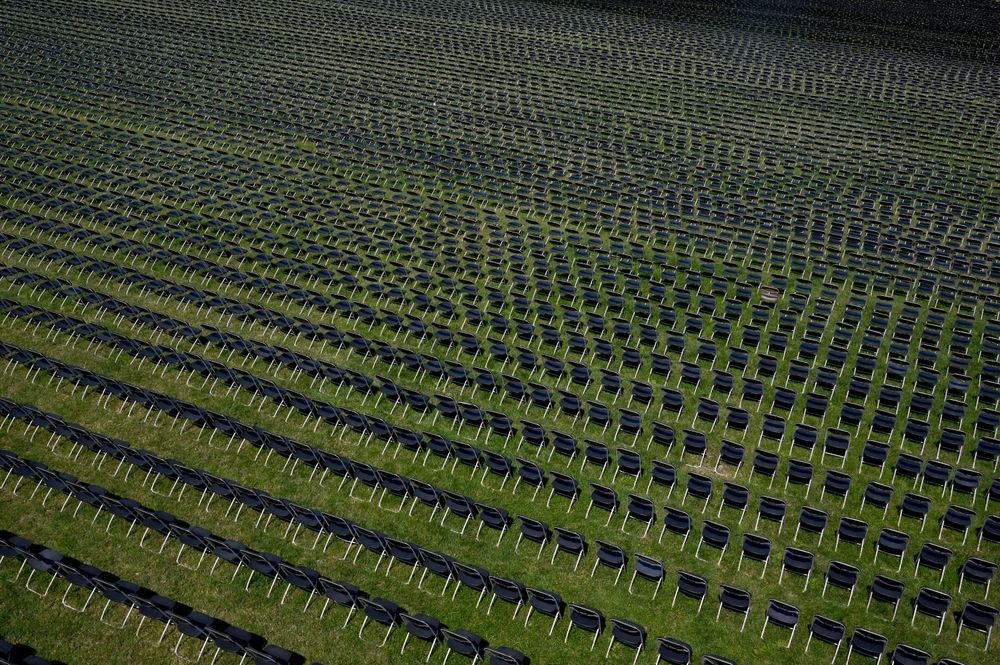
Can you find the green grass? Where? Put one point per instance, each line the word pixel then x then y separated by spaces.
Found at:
pixel 681 114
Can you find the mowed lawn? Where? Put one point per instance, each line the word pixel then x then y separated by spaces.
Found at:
pixel 428 236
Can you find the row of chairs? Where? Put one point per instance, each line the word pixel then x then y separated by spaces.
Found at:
pixel 795 561
pixel 242 557
pixel 987 418
pixel 875 454
pixel 913 505
pixel 76 188
pixel 951 440
pixel 837 483
pixel 639 508
pixel 90 580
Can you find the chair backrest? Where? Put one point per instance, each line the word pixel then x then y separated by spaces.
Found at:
pixel 826 629
pixel 464 642
pixel 867 642
pixel 903 654
pixel 648 566
pixel 735 599
pixel 628 633
pixel 545 602
pixel 673 651
pixel 933 601
pixel 585 618
pixel 782 613
pixel 691 584
pixel 505 656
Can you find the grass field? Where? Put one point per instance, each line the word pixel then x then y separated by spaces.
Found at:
pixel 277 210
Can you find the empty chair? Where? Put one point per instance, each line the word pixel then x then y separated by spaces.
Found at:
pixel 827 630
pixel 545 603
pixel 783 615
pixel 461 506
pixel 957 518
pixel 678 522
pixel 629 464
pixel 798 562
pixel 867 644
pixel 838 484
pixel 990 531
pixel 700 487
pixel 878 495
pixel 714 535
pixel 875 453
pixel 564 486
pixel 533 531
pixel 505 656
pixel 805 436
pixel 734 600
pixel 977 571
pixel 755 548
pixel 966 481
pixel 885 590
pixel 586 619
pixel 765 463
pixel 596 453
pixel 933 603
pixel 641 509
pixel 529 474
pixel 472 577
pixel 438 564
pixel 649 569
pixel 771 510
pixel 498 465
pixel 936 474
pixel 672 651
pixel 731 453
pixel 426 494
pixel 695 443
pixel 907 466
pixel 382 611
pixel 604 498
pixel 628 634
pixel 842 576
pixel 736 497
pixel 343 594
pixel 978 617
pixel 509 591
pixel 570 542
pixel 497 519
pixel 565 445
pixel 692 586
pixel 914 506
pixel 837 444
pixel 852 531
pixel 662 474
pixel 935 557
pixel 662 434
pixel 893 543
pixel 811 520
pixel 711 659
pixel 404 553
pixel 464 643
pixel 799 473
pixel 610 556
pixel 423 627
